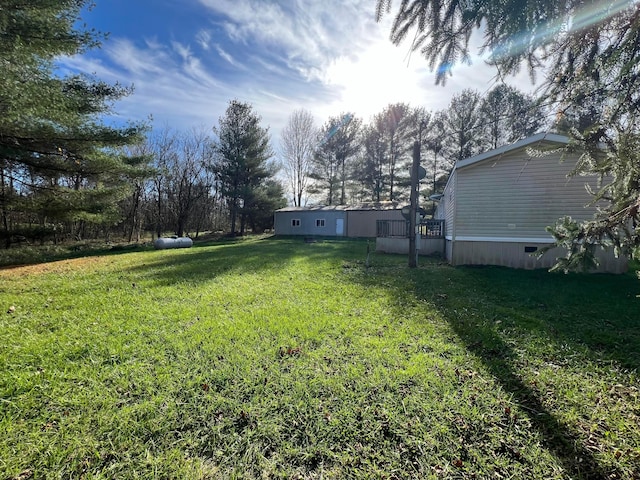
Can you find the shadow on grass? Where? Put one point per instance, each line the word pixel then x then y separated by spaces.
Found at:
pixel 17 257
pixel 199 263
pixel 204 262
pixel 497 356
pixel 594 314
pixel 592 311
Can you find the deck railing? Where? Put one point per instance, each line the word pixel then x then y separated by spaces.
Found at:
pixel 400 228
pixel 392 228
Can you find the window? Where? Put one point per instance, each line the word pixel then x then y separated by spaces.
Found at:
pixel 295 222
pixel 320 222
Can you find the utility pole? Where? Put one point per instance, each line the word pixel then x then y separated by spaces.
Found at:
pixel 413 210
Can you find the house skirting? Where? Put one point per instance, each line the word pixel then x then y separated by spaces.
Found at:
pixel 520 254
pixel 426 246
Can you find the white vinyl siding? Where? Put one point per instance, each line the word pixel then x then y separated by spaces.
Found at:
pixel 517 196
pixel 449 208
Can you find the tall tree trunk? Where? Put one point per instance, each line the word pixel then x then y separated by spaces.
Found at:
pixel 134 213
pixel 233 213
pixel 3 205
pixel 343 182
pixel 159 221
pixel 299 204
pixel 243 221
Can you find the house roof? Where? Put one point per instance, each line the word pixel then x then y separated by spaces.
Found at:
pixel 540 138
pixel 371 206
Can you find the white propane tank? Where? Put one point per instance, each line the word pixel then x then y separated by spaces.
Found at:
pixel 178 242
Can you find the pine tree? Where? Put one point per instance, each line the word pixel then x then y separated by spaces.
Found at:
pixel 387 142
pixel 437 162
pixel 463 126
pixel 266 199
pixel 242 164
pixel 59 164
pixel 398 125
pixel 335 156
pixel 372 170
pixel 509 115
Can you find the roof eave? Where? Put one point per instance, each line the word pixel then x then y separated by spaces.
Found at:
pixel 525 142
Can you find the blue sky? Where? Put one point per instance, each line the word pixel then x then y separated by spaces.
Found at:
pixel 187 59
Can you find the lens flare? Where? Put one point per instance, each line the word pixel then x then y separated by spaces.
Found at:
pixel 547 32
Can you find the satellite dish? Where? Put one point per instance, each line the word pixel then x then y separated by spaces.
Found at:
pixel 406 211
pixel 436 197
pixel 422 172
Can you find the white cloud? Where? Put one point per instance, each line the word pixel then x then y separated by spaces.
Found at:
pixel 183 50
pixel 228 58
pixel 123 53
pixel 203 37
pixel 327 57
pixel 170 82
pixel 337 45
pixel 310 35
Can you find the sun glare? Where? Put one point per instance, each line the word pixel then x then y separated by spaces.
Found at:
pixel 378 77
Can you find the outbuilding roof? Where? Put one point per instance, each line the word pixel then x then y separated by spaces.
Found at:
pixel 371 206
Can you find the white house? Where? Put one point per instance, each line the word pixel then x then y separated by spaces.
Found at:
pixel 497 205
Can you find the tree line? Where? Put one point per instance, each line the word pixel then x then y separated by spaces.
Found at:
pixel 347 161
pixel 202 180
pixel 166 182
pixel 66 174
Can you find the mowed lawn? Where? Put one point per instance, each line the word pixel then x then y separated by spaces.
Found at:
pixel 275 358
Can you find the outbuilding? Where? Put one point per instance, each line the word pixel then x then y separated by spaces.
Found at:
pixel 320 220
pixel 496 205
pixel 354 221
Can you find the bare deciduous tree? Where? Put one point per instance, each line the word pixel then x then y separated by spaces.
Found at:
pixel 298 140
pixel 182 189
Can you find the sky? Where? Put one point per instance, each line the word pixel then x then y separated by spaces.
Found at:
pixel 188 59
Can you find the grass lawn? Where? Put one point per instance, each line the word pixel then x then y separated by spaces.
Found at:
pixel 275 358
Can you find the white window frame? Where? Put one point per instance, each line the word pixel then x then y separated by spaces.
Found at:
pixel 320 223
pixel 295 222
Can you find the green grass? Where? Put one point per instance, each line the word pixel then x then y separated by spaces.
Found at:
pixel 279 359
